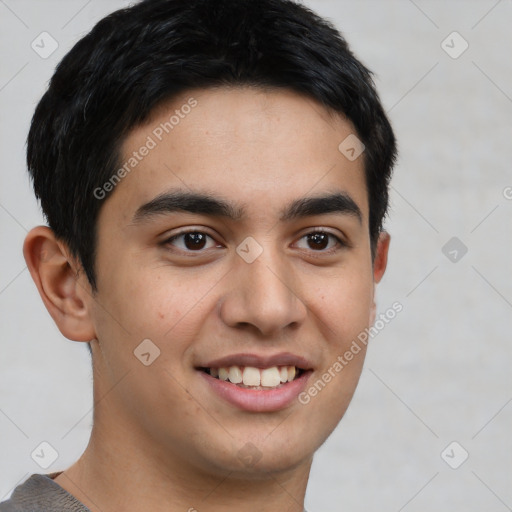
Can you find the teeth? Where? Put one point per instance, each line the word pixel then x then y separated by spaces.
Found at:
pixel 251 376
pixel 270 377
pixel 255 377
pixel 235 375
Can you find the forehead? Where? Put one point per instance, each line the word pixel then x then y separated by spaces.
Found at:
pixel 262 148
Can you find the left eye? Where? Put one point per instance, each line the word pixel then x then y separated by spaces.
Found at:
pixel 320 239
pixel 195 241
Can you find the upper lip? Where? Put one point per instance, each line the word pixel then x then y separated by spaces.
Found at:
pixel 259 361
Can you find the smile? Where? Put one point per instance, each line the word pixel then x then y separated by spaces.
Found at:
pixel 255 382
pixel 250 377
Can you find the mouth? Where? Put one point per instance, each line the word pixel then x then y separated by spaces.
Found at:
pixel 250 377
pixel 257 383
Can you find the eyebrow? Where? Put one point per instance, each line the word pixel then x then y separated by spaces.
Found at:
pixel 207 204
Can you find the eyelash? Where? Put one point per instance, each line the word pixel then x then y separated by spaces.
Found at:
pixel 340 243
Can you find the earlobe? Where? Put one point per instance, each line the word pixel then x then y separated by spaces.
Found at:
pixel 379 267
pixel 54 273
pixel 381 256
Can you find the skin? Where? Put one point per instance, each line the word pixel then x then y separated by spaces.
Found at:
pixel 161 439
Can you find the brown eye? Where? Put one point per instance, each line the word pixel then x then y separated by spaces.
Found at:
pixel 190 241
pixel 319 241
pixel 194 240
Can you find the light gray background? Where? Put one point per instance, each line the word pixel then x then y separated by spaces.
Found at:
pixel 439 372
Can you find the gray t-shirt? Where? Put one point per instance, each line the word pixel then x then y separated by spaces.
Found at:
pixel 39 493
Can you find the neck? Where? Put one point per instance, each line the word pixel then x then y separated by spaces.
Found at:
pixel 109 477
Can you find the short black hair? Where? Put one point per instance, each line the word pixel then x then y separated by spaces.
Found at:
pixel 138 57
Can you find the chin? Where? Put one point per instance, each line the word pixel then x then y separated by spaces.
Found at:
pixel 256 457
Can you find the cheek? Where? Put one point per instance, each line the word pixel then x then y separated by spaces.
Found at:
pixel 344 312
pixel 160 303
pixel 344 303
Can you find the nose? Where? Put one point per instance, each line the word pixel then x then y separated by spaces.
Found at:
pixel 264 296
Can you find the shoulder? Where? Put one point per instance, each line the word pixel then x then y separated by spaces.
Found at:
pixel 39 493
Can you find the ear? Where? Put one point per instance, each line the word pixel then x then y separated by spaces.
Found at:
pixel 66 295
pixel 379 267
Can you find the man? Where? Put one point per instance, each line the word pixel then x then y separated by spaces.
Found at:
pixel 214 175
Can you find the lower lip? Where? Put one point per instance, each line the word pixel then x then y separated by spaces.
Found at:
pixel 258 400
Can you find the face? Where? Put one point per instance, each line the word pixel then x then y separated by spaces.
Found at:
pixel 257 282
